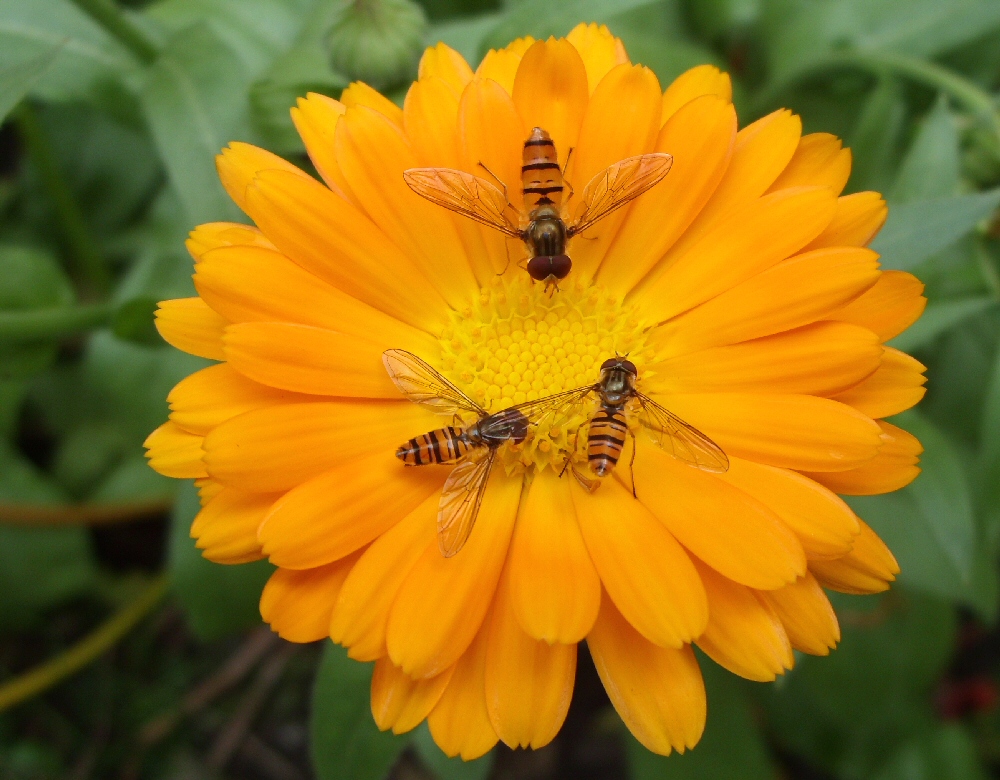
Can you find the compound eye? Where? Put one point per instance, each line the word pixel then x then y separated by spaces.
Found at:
pixel 629 366
pixel 610 363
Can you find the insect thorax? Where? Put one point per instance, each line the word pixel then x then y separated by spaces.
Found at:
pixel 546 233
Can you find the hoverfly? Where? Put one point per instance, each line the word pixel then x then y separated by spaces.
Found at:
pixel 474 448
pixel 619 399
pixel 546 232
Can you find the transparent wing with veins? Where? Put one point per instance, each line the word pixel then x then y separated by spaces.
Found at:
pixel 464 194
pixel 683 441
pixel 618 184
pixel 461 499
pixel 424 385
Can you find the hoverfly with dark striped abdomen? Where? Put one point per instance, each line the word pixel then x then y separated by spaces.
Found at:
pixel 473 448
pixel 609 425
pixel 545 232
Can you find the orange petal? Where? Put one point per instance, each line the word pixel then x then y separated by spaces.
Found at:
pixel 692 84
pixel 443 601
pixel 460 722
pixel 174 452
pixel 897 385
pixel 213 235
pixel 250 284
pixel 550 91
pixel 657 691
pixel 491 133
pixel 805 612
pixel 362 611
pixel 622 120
pixel 208 489
pixel 824 524
pixel 226 527
pixel 737 249
pixel 728 529
pixel 329 237
pixel 360 94
pixel 529 683
pixel 344 509
pixel 744 633
pixel 762 151
pixel 304 359
pixel 189 325
pixel 700 137
pixel 789 431
pixel 888 308
pixel 240 163
pixel 793 293
pixel 555 589
pixel 297 604
pixel 857 219
pixel 278 447
pixel 818 359
pixel 373 153
pixel 443 62
pixel 895 466
pixel 430 119
pixel 868 568
pixel 501 65
pixel 401 703
pixel 209 397
pixel 600 50
pixel 819 160
pixel 316 117
pixel 645 571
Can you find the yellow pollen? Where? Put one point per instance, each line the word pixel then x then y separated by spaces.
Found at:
pixel 516 343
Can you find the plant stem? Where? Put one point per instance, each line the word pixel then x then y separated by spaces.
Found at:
pixel 89 261
pixel 50 673
pixel 928 73
pixel 37 324
pixel 117 23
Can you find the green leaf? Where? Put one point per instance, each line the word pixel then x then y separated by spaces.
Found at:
pixel 667 61
pixel 917 231
pixel 40 568
pixel 929 525
pixel 800 32
pixel 30 28
pixel 540 20
pixel 948 753
pixel 195 100
pixel 346 743
pixel 444 768
pixel 732 745
pixel 939 317
pixel 931 167
pixel 217 599
pixel 846 712
pixel 466 36
pixel 133 321
pixel 875 139
pixel 16 79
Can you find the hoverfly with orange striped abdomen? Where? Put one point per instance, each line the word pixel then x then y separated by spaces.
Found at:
pixel 619 400
pixel 545 232
pixel 473 448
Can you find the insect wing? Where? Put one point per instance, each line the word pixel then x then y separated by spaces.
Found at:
pixel 461 498
pixel 555 404
pixel 681 440
pixel 618 184
pixel 464 194
pixel 426 386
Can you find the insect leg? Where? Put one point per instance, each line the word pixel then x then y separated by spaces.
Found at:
pixel 631 464
pixel 498 181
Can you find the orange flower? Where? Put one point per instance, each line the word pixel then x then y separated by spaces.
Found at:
pixel 741 288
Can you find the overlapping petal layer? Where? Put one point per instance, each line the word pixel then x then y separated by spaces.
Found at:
pixel 740 285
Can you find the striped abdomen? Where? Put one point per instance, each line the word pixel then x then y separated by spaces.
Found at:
pixel 541 177
pixel 608 430
pixel 444 445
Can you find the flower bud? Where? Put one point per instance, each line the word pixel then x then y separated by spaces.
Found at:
pixel 377 41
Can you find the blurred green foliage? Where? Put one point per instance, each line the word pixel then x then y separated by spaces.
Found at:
pixel 114 114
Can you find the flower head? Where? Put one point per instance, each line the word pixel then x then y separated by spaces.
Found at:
pixel 740 288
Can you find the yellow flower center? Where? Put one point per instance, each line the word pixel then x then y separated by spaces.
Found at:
pixel 516 343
